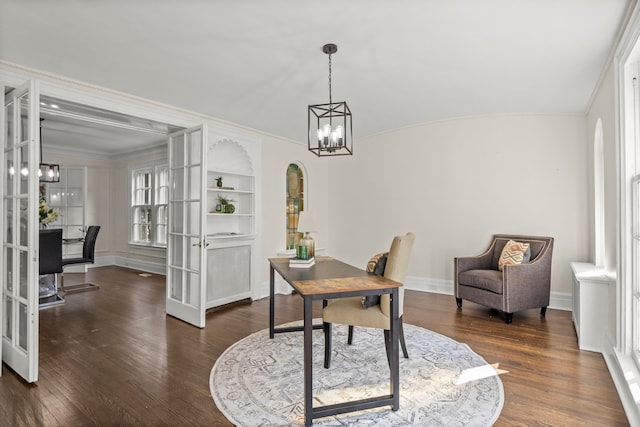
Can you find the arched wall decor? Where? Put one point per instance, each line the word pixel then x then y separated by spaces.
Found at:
pixel 295 202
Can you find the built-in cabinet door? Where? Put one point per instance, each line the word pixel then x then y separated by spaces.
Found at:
pixel 186 266
pixel 19 225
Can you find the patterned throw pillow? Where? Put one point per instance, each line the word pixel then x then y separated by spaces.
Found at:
pixel 376 265
pixel 514 253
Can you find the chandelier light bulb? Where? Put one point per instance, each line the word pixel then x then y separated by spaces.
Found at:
pixel 339 135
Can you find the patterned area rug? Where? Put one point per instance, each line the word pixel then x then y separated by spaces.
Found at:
pixel 259 381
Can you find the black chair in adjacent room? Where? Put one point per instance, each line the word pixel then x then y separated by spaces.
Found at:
pixel 88 257
pixel 50 262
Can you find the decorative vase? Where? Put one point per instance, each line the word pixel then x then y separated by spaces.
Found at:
pixel 219 182
pixel 229 208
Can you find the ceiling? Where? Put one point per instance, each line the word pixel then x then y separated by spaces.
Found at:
pixel 259 63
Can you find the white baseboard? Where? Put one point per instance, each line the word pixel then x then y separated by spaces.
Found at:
pixel 136 264
pixel 557 301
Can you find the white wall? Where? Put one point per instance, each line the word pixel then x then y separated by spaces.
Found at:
pixel 455 183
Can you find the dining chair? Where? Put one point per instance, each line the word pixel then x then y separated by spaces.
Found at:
pixel 353 311
pixel 88 257
pixel 50 262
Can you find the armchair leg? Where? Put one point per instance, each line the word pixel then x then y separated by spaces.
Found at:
pixel 543 311
pixel 508 317
pixel 327 344
pixel 350 335
pixel 459 302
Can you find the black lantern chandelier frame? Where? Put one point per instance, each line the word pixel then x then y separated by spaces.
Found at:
pixel 330 130
pixel 47 172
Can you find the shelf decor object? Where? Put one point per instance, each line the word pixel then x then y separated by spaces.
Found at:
pixel 330 131
pixel 306 245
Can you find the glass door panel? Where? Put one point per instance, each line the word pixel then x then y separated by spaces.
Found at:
pixel 185 251
pixel 19 308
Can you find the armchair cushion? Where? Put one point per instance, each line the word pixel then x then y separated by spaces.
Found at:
pixel 490 280
pixel 514 253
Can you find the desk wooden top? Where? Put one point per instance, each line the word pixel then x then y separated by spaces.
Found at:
pixel 330 276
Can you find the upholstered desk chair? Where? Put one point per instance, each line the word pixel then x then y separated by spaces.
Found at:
pixel 515 287
pixel 88 257
pixel 350 311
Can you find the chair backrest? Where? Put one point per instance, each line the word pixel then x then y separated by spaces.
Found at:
pixel 398 258
pixel 50 252
pixel 89 246
pixel 396 268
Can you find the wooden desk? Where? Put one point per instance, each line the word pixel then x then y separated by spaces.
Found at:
pixel 329 279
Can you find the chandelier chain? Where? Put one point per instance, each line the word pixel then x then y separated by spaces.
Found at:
pixel 330 100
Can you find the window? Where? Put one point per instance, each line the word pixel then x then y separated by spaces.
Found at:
pixel 629 332
pixel 295 203
pixel 149 198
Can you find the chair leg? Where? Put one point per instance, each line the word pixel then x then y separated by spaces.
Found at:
pixel 350 335
pixel 508 317
pixel 459 302
pixel 402 343
pixel 387 345
pixel 327 344
pixel 543 311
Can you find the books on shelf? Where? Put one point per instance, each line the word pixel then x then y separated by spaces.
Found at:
pixel 301 263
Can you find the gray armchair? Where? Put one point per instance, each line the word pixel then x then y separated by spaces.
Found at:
pixel 516 287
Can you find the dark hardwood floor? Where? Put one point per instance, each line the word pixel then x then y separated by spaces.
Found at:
pixel 112 357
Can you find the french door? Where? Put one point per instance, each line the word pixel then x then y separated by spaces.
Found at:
pixel 186 285
pixel 19 225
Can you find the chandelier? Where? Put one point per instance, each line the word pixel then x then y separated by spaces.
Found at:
pixel 330 130
pixel 47 172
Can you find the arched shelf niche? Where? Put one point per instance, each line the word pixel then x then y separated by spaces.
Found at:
pixel 227 155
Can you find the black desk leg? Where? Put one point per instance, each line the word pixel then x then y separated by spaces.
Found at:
pixel 308 362
pixel 271 301
pixel 395 357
